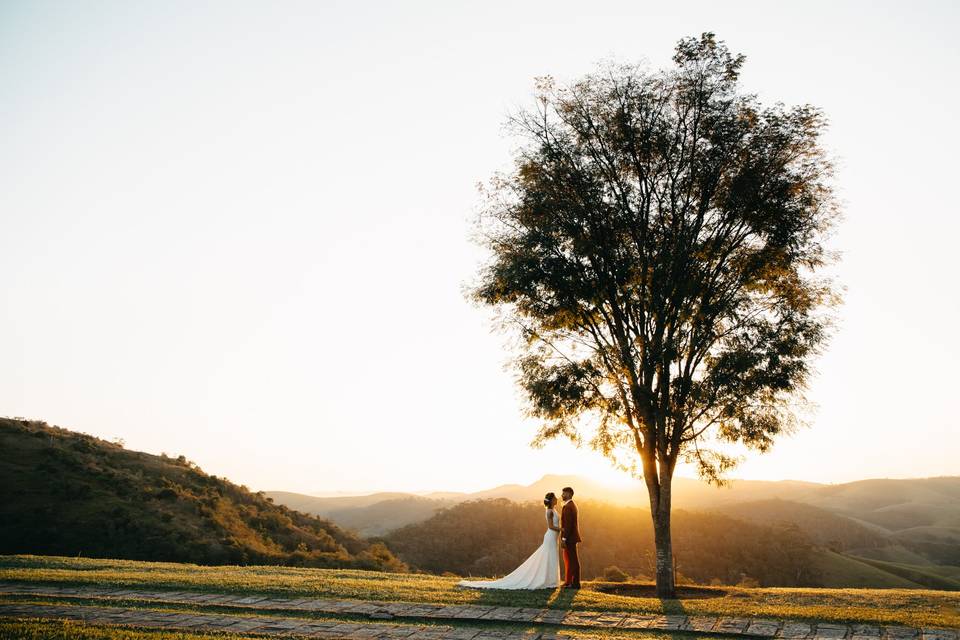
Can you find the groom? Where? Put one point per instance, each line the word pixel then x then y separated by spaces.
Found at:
pixel 569 539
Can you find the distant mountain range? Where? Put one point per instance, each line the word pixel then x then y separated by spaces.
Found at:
pixel 68 493
pixel 880 532
pixel 891 505
pixel 688 493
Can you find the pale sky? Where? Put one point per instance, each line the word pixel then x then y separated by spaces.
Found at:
pixel 238 231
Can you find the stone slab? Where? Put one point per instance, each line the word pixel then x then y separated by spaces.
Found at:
pixel 899 632
pixel 702 624
pixel 732 625
pixel 550 616
pixel 667 623
pixel 795 631
pixel 498 613
pixel 763 628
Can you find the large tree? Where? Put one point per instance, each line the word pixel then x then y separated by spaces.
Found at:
pixel 659 244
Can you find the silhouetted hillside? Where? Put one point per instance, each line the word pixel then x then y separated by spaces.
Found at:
pixel 69 493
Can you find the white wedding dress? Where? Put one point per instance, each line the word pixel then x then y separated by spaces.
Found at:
pixel 540 571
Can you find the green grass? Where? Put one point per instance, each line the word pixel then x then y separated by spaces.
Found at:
pixel 38 629
pixel 183 607
pixel 914 607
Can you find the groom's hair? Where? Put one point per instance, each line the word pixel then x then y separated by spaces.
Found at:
pixel 570 489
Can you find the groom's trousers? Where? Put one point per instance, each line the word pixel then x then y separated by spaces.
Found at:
pixel 571 563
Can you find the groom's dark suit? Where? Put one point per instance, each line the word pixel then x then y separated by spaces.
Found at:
pixel 570 532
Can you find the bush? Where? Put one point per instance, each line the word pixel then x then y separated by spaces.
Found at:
pixel 748 582
pixel 614 574
pixel 682 578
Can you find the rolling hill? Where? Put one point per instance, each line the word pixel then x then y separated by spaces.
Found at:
pixel 923 510
pixel 881 533
pixel 68 493
pixel 839 570
pixel 825 528
pixel 370 515
pixel 377 513
pixel 492 536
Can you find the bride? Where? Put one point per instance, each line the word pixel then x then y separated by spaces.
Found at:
pixel 542 569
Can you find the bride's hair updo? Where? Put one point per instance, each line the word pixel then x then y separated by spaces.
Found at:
pixel 549 498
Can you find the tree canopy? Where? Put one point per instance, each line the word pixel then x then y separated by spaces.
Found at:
pixel 660 245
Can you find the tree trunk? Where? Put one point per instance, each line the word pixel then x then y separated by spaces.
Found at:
pixel 661 537
pixel 666 587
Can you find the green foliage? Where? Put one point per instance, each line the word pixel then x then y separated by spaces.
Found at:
pixel 659 245
pixel 68 493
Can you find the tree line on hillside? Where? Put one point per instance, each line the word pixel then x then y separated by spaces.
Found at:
pixel 492 537
pixel 68 493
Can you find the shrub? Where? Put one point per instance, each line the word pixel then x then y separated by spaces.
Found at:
pixel 682 578
pixel 614 574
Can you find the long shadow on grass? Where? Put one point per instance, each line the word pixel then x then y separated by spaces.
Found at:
pixel 532 599
pixel 673 607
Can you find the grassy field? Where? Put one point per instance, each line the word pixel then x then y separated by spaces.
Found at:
pixel 70 630
pixel 915 607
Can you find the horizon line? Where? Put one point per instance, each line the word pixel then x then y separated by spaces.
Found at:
pixel 423 493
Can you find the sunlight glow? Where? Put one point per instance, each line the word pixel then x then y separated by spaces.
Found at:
pixel 250 250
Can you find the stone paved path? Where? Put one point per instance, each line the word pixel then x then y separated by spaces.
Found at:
pixel 753 627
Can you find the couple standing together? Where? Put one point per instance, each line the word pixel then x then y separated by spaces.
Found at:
pixel 542 569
